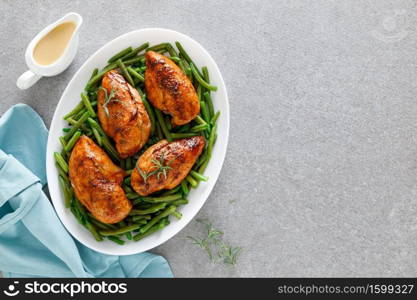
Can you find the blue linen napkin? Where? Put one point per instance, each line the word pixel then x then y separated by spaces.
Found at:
pixel 33 242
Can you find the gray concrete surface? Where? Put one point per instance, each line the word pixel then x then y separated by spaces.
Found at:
pixel 320 177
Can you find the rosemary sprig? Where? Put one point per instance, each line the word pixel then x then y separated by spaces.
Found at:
pixel 109 98
pixel 213 243
pixel 159 166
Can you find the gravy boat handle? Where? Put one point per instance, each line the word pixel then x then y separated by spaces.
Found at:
pixel 27 79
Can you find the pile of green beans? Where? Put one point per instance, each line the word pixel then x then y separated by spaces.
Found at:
pixel 151 213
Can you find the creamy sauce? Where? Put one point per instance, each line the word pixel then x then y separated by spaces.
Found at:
pixel 53 44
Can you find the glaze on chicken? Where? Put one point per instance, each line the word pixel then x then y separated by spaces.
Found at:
pixel 97 182
pixel 169 89
pixel 122 114
pixel 176 158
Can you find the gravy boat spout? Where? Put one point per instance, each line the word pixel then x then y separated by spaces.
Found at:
pixel 37 70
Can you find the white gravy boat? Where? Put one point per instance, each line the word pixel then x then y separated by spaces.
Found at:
pixel 36 70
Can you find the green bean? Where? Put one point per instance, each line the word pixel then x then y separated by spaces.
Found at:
pixel 200 120
pixel 157 47
pixel 161 122
pixel 62 141
pixel 201 160
pixel 183 135
pixel 166 198
pixel 120 54
pixel 129 163
pixel 171 50
pixel 84 128
pixel 204 111
pixel 200 92
pixel 110 149
pixel 199 128
pixel 189 73
pixel 78 115
pixel 67 195
pixel 116 240
pixel 140 218
pixel 159 133
pixel 151 113
pixel 161 224
pixel 109 67
pixel 152 209
pixel 203 167
pixel 75 110
pixel 141 222
pixel 192 181
pixel 205 74
pixel 66 129
pixel 99 224
pixel 84 219
pixel 155 220
pixel 215 117
pixel 173 53
pixel 211 140
pixel 173 191
pixel 62 173
pixel 184 187
pixel 175 59
pixel 88 105
pixel 184 128
pixel 134 60
pixel 61 162
pixel 96 78
pixel 93 230
pixel 167 122
pixel 76 214
pixel 128 190
pixel 94 73
pixel 135 74
pixel 125 72
pixel 177 214
pixel 209 102
pixel 120 230
pixel 198 176
pixel 138 200
pixel 64 154
pixel 77 125
pixel 128 235
pixel 185 55
pixel 132 196
pixel 105 141
pixel 127 180
pixel 97 136
pixel 201 80
pixel 72 141
pixel 180 202
pixel 80 208
pixel 135 51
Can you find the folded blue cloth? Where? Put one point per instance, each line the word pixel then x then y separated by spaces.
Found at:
pixel 33 242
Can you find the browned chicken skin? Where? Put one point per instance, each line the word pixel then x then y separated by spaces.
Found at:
pixel 177 157
pixel 97 182
pixel 124 117
pixel 169 89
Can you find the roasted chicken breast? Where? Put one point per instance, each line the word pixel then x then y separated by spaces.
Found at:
pixel 122 114
pixel 169 89
pixel 97 182
pixel 164 165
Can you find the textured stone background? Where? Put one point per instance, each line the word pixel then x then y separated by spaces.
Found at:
pixel 320 177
